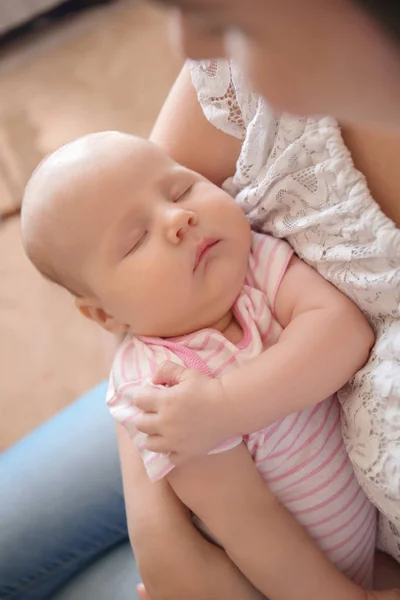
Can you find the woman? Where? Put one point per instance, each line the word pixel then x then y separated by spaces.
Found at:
pixel 314 57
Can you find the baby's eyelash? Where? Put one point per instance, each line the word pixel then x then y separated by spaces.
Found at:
pixel 183 195
pixel 137 244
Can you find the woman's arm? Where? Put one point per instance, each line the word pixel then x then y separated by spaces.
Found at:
pixel 260 536
pixel 176 562
pixel 184 132
pixel 173 558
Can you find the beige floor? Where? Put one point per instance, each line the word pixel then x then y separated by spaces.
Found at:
pixel 107 69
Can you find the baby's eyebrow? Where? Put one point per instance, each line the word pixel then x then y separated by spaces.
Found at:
pixel 167 180
pixel 165 184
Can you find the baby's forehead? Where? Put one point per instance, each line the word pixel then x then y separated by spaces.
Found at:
pixel 102 150
pixel 91 175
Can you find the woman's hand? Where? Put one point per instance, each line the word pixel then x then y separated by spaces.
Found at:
pixel 387 595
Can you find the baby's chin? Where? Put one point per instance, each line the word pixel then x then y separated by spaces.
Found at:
pixel 211 312
pixel 178 329
pixel 218 320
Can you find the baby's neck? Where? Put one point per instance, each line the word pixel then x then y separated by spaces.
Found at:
pixel 229 328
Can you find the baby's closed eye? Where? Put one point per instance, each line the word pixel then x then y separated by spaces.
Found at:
pixel 137 242
pixel 182 192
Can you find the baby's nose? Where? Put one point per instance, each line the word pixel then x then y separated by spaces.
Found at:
pixel 179 223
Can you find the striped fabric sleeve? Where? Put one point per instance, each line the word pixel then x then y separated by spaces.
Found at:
pixel 132 370
pixel 269 260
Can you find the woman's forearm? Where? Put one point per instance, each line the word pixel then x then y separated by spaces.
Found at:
pixel 266 543
pixel 182 565
pixel 284 561
pixel 189 138
pixel 173 558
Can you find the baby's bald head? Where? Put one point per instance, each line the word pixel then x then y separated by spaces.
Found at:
pixel 64 201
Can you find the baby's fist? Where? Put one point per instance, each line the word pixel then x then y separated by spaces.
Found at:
pixel 186 417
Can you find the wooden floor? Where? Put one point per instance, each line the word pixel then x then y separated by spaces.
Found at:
pixel 109 68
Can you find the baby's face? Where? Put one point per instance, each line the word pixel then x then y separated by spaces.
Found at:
pixel 167 251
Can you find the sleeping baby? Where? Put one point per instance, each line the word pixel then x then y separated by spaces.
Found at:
pixel 232 345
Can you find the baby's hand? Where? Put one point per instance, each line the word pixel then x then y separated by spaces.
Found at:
pixel 186 418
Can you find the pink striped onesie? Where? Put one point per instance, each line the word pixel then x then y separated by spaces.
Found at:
pixel 302 457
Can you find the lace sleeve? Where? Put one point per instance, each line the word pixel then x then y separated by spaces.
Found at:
pixel 222 96
pixel 229 105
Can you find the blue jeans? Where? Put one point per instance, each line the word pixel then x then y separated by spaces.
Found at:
pixel 63 532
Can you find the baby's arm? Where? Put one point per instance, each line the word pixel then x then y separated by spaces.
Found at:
pixel 325 340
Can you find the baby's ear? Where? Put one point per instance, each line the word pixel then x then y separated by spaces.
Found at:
pixel 92 311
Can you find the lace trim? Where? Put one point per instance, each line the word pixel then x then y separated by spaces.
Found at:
pixel 234 112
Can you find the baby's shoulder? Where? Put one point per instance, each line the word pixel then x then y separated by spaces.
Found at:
pixel 268 261
pixel 135 360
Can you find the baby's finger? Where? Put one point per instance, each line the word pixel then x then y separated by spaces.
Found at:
pixel 168 373
pixel 156 443
pixel 147 423
pixel 147 400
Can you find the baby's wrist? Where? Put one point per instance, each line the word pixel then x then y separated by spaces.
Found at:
pixel 225 413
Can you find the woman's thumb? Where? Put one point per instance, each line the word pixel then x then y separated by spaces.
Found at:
pixel 169 373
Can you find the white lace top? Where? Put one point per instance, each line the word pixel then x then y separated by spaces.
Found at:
pixel 295 179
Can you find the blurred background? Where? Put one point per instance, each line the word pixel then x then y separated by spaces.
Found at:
pixel 66 69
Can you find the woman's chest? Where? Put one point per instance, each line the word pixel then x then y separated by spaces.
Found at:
pixel 307 190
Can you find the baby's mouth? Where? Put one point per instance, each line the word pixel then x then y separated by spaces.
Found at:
pixel 202 249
